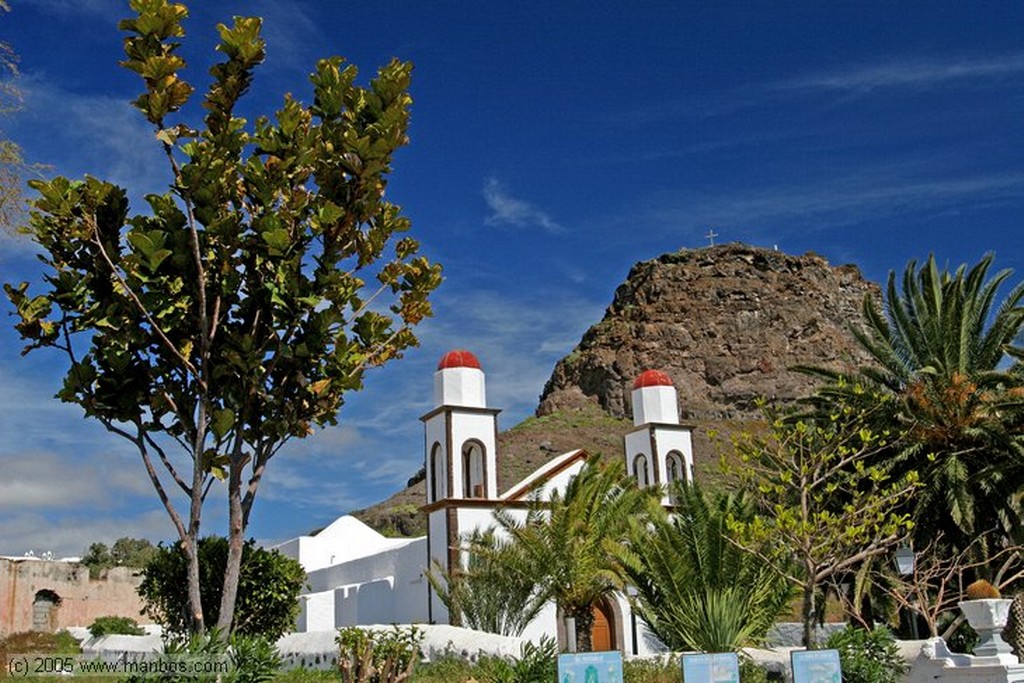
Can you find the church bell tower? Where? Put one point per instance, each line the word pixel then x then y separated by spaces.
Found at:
pixel 659 452
pixel 461 461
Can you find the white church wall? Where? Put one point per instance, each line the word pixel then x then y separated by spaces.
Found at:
pixel 387 586
pixel 655 404
pixel 474 518
pixel 481 428
pixel 544 624
pixel 310 553
pixel 638 443
pixel 460 387
pixel 559 481
pixel 675 440
pixel 346 606
pixel 346 538
pixel 316 611
pixel 438 534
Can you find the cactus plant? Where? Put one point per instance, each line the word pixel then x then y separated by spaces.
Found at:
pixel 981 590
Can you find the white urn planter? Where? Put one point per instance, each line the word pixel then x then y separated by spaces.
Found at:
pixel 988 618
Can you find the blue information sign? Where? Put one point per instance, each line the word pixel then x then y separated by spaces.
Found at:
pixel 816 666
pixel 722 667
pixel 590 667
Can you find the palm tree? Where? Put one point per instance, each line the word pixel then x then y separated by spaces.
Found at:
pixel 941 348
pixel 494 592
pixel 569 540
pixel 696 590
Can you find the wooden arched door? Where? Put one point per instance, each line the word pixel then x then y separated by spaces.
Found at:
pixel 602 633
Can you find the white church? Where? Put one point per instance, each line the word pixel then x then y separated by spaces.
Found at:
pixel 359 577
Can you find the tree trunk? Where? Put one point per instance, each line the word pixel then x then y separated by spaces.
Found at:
pixel 191 543
pixel 809 613
pixel 195 603
pixel 236 544
pixel 584 617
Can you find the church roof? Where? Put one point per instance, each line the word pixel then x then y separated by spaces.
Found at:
pixel 652 378
pixel 543 474
pixel 458 358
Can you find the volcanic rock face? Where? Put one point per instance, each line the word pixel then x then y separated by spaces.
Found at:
pixel 727 323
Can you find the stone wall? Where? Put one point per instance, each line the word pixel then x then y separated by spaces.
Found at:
pixel 51 595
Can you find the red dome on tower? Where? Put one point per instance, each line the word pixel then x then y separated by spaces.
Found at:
pixel 459 358
pixel 652 378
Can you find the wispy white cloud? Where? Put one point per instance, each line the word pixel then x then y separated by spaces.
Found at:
pixel 506 210
pixel 25 531
pixel 44 480
pixel 922 73
pixel 101 135
pixel 852 80
pixel 834 203
pixel 100 9
pixel 28 410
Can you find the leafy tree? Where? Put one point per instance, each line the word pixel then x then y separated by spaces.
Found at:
pixel 132 552
pixel 97 558
pixel 821 508
pixel 932 591
pixel 568 542
pixel 234 314
pixel 113 625
pixel 269 587
pixel 940 347
pixel 13 167
pixel 696 589
pixel 494 592
pixel 868 656
pixel 126 552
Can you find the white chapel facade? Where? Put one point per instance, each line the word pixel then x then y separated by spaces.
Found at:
pixel 358 577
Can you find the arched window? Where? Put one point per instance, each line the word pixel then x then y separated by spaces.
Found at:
pixel 674 468
pixel 44 611
pixel 473 474
pixel 640 471
pixel 437 474
pixel 674 472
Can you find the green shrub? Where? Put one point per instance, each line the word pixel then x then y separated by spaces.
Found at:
pixel 60 643
pixel 449 669
pixel 366 656
pixel 868 656
pixel 251 659
pixel 535 664
pixel 268 588
pixel 329 676
pixel 111 625
pixel 751 671
pixel 254 659
pixel 696 589
pixel 654 670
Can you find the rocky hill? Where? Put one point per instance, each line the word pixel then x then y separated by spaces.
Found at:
pixel 727 323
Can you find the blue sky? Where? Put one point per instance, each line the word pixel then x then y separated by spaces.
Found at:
pixel 554 144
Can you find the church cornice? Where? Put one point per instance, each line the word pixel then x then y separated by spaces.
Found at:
pixel 460 409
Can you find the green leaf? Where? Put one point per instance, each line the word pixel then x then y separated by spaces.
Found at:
pixel 222 422
pixel 278 240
